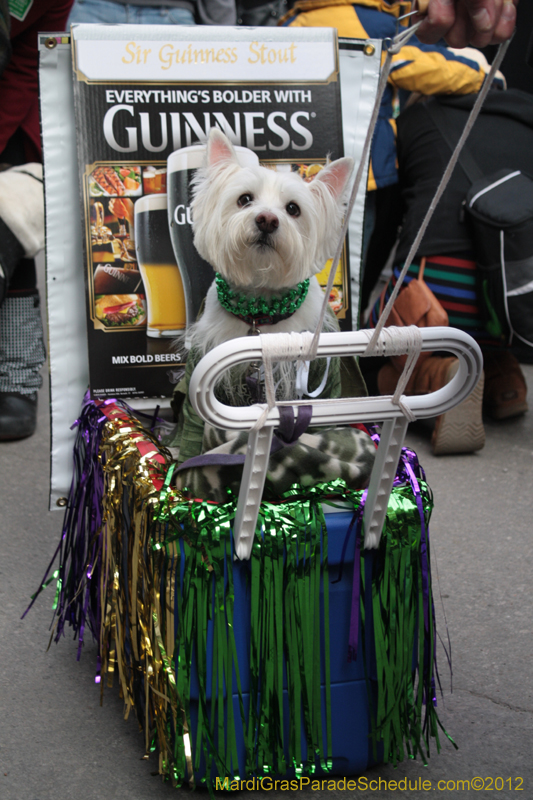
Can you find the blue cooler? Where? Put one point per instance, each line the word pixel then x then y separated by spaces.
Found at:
pixel 351 744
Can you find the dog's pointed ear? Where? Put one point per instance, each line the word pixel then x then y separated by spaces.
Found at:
pixel 219 149
pixel 336 176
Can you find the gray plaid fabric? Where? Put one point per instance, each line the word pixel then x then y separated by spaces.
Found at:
pixel 22 352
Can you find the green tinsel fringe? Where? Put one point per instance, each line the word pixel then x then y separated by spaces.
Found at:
pixel 288 598
pixel 289 588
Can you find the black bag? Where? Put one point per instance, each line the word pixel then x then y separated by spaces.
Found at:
pixel 500 210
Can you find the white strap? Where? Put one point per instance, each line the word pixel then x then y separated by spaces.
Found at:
pixel 394 341
pixel 291 346
pixel 302 380
pixel 395 46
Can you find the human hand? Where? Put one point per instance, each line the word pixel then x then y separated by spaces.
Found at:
pixel 463 22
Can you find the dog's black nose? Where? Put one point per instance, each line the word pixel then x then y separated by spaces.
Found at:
pixel 267 222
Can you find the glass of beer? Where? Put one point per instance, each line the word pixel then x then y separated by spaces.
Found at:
pixel 149 180
pixel 196 273
pixel 165 297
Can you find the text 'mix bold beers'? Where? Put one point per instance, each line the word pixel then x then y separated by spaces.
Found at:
pixel 165 296
pixel 196 273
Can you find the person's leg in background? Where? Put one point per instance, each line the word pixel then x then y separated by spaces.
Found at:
pixel 22 353
pixel 109 11
pixel 383 215
pixel 22 350
pixel 369 223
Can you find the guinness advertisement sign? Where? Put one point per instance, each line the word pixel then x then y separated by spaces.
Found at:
pixel 144 94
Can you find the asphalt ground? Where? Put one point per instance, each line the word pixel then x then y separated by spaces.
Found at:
pixel 58 743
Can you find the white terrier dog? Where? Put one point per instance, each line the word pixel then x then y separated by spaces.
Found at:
pixel 265 233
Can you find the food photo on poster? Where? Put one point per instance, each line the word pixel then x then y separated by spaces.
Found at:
pixel 117 180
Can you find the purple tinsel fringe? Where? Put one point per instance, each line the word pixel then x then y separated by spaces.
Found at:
pixel 78 597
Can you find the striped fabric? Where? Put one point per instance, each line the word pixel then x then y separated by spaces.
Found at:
pixel 453 282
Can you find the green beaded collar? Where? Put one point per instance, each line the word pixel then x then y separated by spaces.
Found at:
pixel 257 310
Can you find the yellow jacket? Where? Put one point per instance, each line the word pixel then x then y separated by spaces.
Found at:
pixel 428 69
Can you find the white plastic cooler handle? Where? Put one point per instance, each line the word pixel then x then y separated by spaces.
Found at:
pixel 336 411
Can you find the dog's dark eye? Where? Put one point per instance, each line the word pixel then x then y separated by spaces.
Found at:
pixel 245 200
pixel 293 210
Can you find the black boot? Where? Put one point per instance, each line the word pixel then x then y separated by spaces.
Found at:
pixel 18 415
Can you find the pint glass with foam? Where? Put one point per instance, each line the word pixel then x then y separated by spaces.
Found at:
pixel 196 273
pixel 165 296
